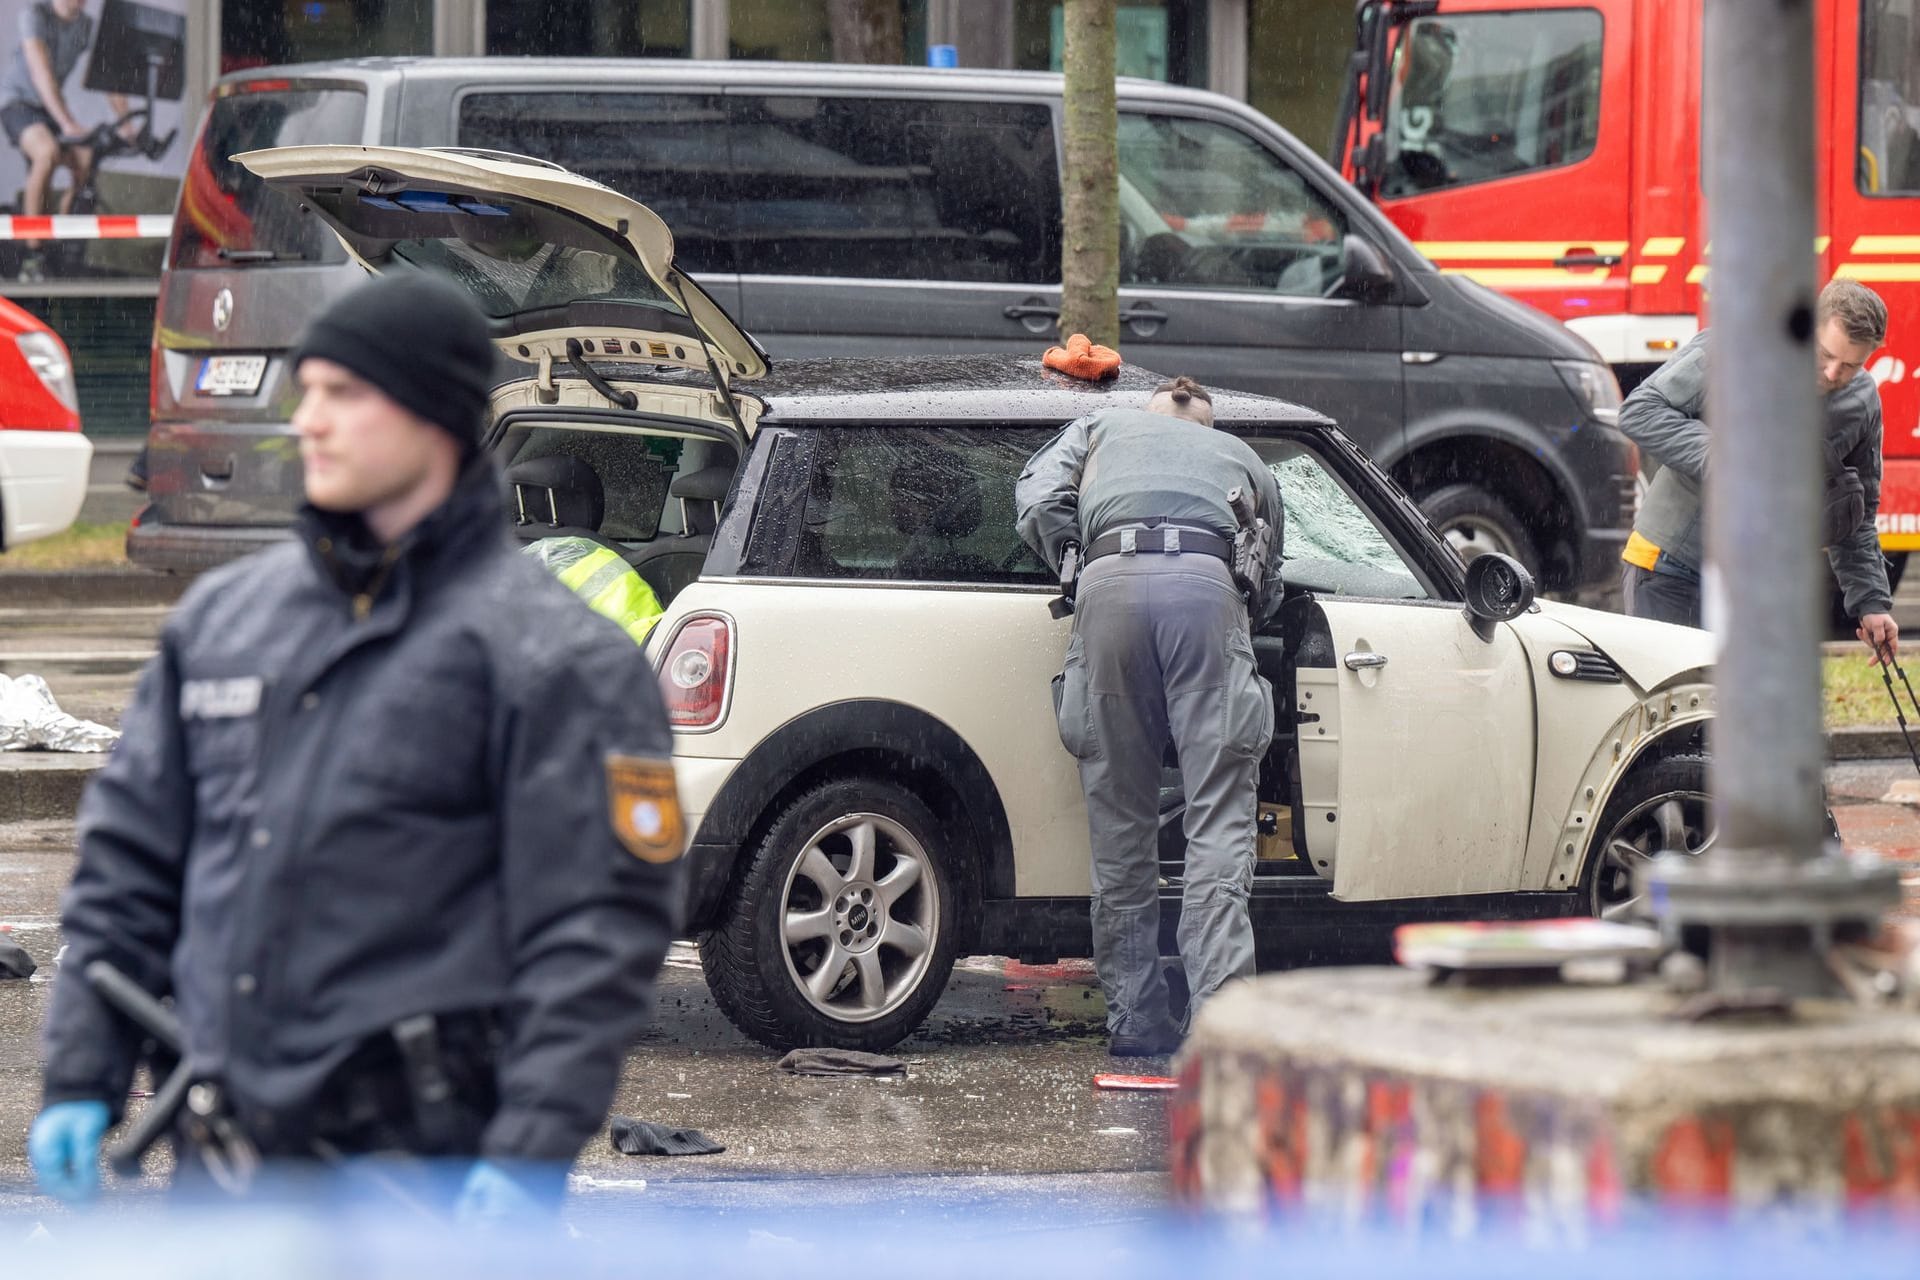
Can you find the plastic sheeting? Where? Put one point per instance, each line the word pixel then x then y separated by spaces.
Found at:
pixel 31 720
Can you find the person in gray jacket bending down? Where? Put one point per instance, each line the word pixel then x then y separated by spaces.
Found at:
pixel 1664 417
pixel 1160 648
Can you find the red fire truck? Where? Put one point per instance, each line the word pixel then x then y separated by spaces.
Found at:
pixel 1552 149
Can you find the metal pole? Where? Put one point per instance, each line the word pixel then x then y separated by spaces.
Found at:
pixel 1769 894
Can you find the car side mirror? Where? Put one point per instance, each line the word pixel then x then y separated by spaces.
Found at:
pixel 1365 275
pixel 1499 589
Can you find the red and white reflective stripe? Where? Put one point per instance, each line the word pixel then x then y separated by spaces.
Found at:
pixel 87 226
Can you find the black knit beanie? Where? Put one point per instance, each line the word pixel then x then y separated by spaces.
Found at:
pixel 419 339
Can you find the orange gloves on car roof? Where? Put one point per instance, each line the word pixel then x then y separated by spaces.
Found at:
pixel 1083 358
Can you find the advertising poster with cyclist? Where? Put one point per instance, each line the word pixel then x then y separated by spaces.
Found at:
pixel 90 103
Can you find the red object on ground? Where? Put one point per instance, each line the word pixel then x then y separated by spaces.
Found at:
pixel 1135 1084
pixel 1083 358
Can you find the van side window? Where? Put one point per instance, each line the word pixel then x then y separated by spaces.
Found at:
pixel 1889 159
pixel 1490 95
pixel 895 189
pixel 918 505
pixel 1204 206
pixel 666 150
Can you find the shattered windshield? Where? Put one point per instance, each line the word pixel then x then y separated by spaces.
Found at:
pixel 1333 546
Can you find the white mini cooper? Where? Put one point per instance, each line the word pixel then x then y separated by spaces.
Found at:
pixel 857 648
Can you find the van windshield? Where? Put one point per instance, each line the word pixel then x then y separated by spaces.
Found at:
pixel 230 218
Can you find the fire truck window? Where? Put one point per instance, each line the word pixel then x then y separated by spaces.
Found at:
pixel 1204 206
pixel 1889 159
pixel 1485 96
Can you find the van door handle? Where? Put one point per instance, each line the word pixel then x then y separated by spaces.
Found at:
pixel 1365 661
pixel 1023 311
pixel 1587 260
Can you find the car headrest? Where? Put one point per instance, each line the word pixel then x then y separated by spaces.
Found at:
pixel 708 484
pixel 556 491
pixel 934 493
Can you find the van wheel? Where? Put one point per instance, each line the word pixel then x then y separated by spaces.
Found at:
pixel 1475 522
pixel 1658 807
pixel 841 930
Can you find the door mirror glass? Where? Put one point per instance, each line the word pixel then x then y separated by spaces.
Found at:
pixel 1364 273
pixel 1499 589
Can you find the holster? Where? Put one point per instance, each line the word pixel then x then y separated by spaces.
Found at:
pixel 1252 545
pixel 1069 582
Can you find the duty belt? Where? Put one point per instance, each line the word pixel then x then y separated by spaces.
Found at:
pixel 1162 537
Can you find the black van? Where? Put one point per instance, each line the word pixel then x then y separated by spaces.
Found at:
pixel 888 211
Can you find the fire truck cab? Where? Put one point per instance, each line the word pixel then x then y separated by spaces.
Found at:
pixel 1552 149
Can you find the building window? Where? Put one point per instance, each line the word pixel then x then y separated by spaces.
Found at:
pixel 1889 158
pixel 1296 61
pixel 890 31
pixel 589 28
pixel 1164 40
pixel 258 33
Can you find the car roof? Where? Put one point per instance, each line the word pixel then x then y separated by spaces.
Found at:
pixel 992 389
pixel 515 72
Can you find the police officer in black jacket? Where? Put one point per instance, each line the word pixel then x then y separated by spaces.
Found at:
pixel 393 816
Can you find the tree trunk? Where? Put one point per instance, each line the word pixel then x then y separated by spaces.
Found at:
pixel 1090 188
pixel 867 31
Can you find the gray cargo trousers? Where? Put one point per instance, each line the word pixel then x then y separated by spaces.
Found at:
pixel 1160 648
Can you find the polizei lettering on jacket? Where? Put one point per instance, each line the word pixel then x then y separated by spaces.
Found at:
pixel 220 699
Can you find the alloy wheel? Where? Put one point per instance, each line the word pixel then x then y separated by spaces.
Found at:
pixel 1673 821
pixel 859 915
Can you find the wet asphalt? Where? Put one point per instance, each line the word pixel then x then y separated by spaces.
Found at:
pixel 997 1109
pixel 997 1105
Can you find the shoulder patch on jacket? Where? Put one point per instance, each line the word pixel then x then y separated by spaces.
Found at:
pixel 645 807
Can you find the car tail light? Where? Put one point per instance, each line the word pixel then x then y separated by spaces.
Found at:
pixel 693 679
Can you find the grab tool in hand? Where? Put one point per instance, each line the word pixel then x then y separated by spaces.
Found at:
pixel 1890 667
pixel 231 1157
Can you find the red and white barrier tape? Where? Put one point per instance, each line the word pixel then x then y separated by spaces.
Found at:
pixel 87 226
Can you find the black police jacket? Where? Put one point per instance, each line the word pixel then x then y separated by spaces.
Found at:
pixel 357 785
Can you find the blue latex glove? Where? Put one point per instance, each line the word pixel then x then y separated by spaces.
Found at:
pixel 64 1146
pixel 491 1194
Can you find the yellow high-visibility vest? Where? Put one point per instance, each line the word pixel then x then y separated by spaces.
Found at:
pixel 605 581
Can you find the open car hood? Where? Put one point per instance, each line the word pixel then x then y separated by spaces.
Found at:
pixel 548 255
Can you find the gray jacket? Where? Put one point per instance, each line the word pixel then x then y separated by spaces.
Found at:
pixel 1149 465
pixel 1664 417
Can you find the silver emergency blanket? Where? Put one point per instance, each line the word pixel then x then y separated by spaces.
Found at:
pixel 30 719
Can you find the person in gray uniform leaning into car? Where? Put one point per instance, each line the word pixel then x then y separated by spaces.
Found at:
pixel 1161 648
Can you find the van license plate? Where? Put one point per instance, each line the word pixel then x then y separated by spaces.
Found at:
pixel 231 375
